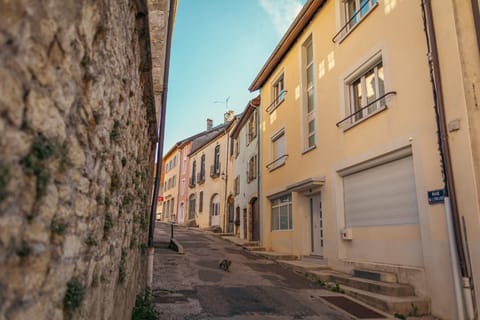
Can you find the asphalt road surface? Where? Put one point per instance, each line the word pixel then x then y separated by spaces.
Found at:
pixel 192 286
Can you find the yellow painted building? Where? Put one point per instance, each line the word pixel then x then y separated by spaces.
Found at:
pixel 207 180
pixel 350 163
pixel 170 186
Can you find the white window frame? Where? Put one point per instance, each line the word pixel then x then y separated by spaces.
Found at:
pixel 279 203
pixel 345 15
pixel 360 74
pixel 309 116
pixel 278 91
pixel 278 161
pixel 215 205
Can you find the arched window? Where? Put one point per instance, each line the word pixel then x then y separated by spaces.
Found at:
pixel 215 210
pixel 215 205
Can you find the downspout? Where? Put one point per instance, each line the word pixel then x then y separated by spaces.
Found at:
pixel 226 183
pixel 476 21
pixel 457 252
pixel 260 222
pixel 160 142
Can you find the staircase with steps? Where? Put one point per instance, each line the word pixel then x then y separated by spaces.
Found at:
pixel 390 297
pixel 253 246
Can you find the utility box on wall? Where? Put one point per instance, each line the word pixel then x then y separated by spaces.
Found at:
pixel 346 234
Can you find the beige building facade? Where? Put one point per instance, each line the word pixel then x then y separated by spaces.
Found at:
pixel 207 184
pixel 170 187
pixel 243 210
pixel 350 163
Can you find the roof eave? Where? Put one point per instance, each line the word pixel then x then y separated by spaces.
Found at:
pixel 296 28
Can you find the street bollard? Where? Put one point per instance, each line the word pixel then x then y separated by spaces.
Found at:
pixel 171 231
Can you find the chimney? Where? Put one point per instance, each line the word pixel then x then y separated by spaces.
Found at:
pixel 229 116
pixel 209 124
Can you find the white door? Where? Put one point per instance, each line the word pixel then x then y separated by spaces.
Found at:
pixel 316 224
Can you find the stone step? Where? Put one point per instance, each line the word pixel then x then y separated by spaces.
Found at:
pixel 409 305
pixel 250 244
pixel 255 248
pixel 276 255
pixel 303 267
pixel 385 288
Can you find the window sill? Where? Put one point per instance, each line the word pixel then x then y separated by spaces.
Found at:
pixel 274 106
pixel 351 125
pixel 350 30
pixel 309 149
pixel 283 230
pixel 273 168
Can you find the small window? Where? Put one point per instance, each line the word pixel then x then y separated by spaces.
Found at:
pixel 366 92
pixel 278 151
pixel 216 161
pixel 202 168
pixel 278 91
pixel 215 205
pixel 252 128
pixel 194 172
pixel 309 115
pixel 191 206
pixel 282 213
pixel 237 185
pixel 200 202
pixel 252 169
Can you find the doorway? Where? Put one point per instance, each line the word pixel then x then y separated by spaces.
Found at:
pixel 231 214
pixel 316 224
pixel 255 232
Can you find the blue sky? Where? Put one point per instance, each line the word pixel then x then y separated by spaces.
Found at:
pixel 218 48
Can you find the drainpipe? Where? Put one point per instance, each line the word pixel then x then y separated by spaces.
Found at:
pixel 160 142
pixel 461 277
pixel 226 182
pixel 476 21
pixel 259 222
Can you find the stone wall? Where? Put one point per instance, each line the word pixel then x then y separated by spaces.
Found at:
pixel 76 127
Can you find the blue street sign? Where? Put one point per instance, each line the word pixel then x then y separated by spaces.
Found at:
pixel 436 196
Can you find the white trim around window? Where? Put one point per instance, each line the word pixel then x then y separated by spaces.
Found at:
pixel 278 150
pixel 358 9
pixel 362 86
pixel 281 213
pixel 309 121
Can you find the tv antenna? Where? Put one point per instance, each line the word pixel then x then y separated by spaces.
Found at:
pixel 225 102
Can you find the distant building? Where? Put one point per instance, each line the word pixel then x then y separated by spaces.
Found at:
pixel 243 211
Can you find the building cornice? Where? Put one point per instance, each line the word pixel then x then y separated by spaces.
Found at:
pixel 294 31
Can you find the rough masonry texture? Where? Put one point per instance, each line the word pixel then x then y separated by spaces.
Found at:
pixel 77 119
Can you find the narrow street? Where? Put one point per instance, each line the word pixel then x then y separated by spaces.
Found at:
pixel 192 286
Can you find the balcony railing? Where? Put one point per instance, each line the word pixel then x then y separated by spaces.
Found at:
pixel 277 162
pixel 358 15
pixel 359 111
pixel 200 178
pixel 215 170
pixel 276 102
